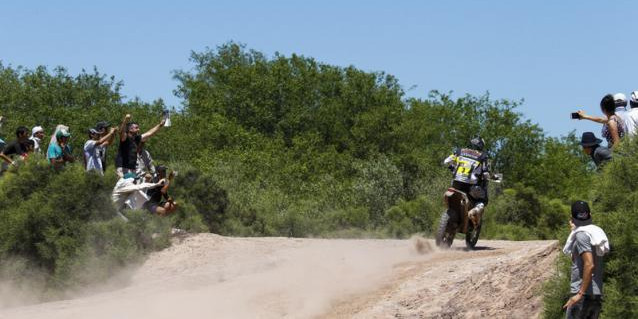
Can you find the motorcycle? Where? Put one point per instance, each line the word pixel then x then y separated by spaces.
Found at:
pixel 461 216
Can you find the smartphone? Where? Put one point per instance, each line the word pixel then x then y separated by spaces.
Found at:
pixel 575 115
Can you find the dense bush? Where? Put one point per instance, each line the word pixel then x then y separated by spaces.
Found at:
pixel 62 224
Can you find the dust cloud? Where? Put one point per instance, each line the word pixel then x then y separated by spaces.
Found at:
pixel 212 276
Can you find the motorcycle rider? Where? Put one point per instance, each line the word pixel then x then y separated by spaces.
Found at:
pixel 469 166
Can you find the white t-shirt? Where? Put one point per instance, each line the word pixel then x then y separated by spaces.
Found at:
pixel 624 116
pixel 36 144
pixel 632 121
pixel 92 153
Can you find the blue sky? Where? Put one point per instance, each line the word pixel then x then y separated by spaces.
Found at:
pixel 557 55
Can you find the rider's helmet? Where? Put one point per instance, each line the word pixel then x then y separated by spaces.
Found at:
pixel 477 143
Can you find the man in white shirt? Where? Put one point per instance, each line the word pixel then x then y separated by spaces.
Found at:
pixel 93 148
pixel 621 102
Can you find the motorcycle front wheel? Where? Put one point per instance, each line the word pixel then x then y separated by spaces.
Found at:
pixel 445 233
pixel 472 234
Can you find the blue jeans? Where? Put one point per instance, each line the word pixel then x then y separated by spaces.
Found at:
pixel 589 307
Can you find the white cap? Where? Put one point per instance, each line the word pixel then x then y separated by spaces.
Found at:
pixel 620 100
pixel 36 129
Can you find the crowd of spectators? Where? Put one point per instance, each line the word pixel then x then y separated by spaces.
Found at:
pixel 617 123
pixel 140 186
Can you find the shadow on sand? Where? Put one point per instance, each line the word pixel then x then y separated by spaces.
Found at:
pixel 475 248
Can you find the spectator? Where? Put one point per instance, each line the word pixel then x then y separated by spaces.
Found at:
pixel 591 146
pixel 37 134
pixel 126 160
pixel 127 193
pixel 632 118
pixel 586 244
pixel 144 162
pixel 94 147
pixel 18 147
pixel 59 152
pixel 620 101
pixel 103 126
pixel 159 201
pixel 613 127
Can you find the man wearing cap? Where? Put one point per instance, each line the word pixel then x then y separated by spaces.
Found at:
pixel 94 147
pixel 37 134
pixel 586 244
pixel 59 152
pixel 591 146
pixel 127 193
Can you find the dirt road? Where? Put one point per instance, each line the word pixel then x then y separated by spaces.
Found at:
pixel 209 276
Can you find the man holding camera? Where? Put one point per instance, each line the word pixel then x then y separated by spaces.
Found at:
pixel 159 201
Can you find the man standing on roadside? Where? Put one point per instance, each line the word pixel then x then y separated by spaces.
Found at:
pixel 130 140
pixel 587 244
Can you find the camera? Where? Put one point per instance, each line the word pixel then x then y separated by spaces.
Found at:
pixel 575 116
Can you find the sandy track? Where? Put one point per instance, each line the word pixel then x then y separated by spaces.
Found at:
pixel 209 276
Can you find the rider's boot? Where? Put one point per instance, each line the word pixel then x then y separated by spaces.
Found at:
pixel 475 213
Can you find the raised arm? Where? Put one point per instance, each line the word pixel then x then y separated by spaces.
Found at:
pixel 108 138
pixel 6 158
pixel 153 131
pixel 123 131
pixel 583 116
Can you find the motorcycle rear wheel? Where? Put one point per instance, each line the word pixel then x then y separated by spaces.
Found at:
pixel 445 233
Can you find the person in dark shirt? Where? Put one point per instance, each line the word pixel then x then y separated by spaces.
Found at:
pixel 130 139
pixel 591 146
pixel 159 201
pixel 18 147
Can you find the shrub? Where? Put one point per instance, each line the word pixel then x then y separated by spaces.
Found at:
pixel 62 224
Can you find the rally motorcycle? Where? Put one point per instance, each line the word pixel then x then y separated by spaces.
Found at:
pixel 461 216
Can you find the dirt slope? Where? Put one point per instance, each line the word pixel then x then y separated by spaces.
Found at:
pixel 209 276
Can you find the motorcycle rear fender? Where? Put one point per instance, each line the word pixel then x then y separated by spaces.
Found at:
pixel 446 197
